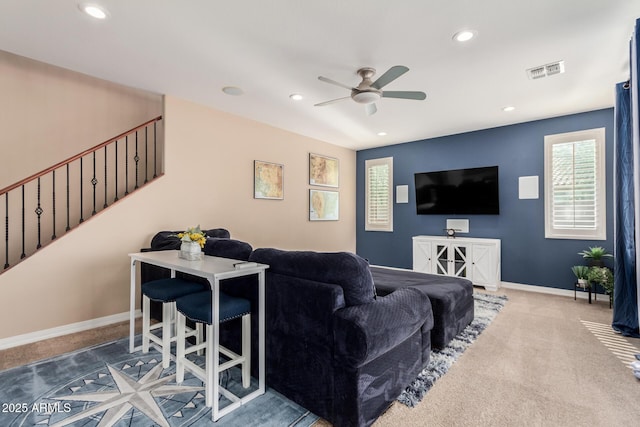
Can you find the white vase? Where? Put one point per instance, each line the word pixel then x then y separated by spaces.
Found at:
pixel 190 251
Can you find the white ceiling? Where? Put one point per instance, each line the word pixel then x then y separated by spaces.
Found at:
pixel 270 49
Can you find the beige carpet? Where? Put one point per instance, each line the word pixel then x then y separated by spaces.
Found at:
pixel 544 361
pixel 535 365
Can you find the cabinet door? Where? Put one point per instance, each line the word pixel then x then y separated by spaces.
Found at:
pixel 422 256
pixel 441 259
pixel 459 260
pixel 484 265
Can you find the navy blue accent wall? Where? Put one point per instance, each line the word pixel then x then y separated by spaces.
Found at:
pixel 518 150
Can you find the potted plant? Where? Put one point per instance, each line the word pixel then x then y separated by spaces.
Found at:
pixel 595 255
pixel 582 274
pixel 603 277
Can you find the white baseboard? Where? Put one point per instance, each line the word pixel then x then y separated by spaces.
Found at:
pixel 32 337
pixel 552 291
pixel 523 287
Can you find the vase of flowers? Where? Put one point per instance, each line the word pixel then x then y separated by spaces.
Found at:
pixel 193 240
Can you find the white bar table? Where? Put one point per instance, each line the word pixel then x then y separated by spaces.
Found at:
pixel 214 269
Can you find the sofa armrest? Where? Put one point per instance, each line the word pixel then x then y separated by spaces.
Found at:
pixel 364 332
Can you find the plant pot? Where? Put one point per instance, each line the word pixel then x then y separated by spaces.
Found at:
pixel 583 283
pixel 190 251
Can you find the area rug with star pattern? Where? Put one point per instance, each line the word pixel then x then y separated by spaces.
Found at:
pixel 106 385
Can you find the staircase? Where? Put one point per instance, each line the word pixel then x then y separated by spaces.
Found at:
pixel 50 203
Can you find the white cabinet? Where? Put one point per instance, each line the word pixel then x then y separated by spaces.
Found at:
pixel 475 259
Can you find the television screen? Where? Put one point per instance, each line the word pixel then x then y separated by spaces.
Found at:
pixel 462 191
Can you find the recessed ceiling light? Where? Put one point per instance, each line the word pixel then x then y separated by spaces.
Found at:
pixel 232 90
pixel 94 10
pixel 464 35
pixel 382 134
pixel 508 108
pixel 296 96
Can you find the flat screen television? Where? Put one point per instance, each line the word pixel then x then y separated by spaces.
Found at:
pixel 461 191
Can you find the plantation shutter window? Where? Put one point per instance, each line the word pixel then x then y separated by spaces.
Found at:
pixel 574 185
pixel 379 194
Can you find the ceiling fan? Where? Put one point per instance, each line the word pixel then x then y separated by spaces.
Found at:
pixel 368 92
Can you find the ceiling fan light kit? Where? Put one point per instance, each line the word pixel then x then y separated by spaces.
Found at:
pixel 368 92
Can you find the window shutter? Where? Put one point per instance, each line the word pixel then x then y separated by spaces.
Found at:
pixel 378 194
pixel 574 185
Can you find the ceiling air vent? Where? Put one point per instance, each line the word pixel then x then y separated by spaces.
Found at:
pixel 546 70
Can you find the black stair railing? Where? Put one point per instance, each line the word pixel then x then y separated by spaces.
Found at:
pixel 32 204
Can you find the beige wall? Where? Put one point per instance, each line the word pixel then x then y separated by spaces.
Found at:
pixel 208 181
pixel 48 114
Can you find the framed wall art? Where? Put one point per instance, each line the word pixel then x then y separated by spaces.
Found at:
pixel 324 205
pixel 323 170
pixel 268 180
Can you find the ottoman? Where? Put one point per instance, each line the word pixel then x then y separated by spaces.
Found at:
pixel 451 298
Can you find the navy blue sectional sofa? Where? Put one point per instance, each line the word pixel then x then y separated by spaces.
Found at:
pixel 332 345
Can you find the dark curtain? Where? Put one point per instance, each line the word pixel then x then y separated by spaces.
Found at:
pixel 627 177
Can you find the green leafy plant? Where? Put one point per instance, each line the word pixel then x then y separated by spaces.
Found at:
pixel 581 271
pixel 595 253
pixel 602 276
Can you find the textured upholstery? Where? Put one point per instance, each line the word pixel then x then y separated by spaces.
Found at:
pixel 451 298
pixel 348 270
pixel 168 290
pixel 197 307
pixel 227 248
pixel 344 362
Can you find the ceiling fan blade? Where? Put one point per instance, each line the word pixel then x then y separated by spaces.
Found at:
pixel 404 95
pixel 390 75
pixel 333 82
pixel 371 109
pixel 332 101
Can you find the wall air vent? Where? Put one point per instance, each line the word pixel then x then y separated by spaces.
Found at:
pixel 546 70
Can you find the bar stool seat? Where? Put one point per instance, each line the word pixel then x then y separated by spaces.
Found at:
pixel 197 307
pixel 165 291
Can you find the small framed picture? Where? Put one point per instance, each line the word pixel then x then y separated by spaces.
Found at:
pixel 323 170
pixel 268 180
pixel 324 205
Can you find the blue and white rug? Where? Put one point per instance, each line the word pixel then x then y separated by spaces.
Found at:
pixel 486 307
pixel 105 385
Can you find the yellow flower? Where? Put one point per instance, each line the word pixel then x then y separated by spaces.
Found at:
pixel 193 234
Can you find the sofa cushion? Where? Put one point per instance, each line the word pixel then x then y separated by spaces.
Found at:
pixel 228 248
pixel 346 269
pixel 168 240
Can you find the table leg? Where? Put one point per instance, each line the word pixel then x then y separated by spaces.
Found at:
pixel 261 332
pixel 132 307
pixel 214 354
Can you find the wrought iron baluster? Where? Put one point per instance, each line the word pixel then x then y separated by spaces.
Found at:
pixel 155 151
pixel 94 182
pixel 136 158
pixel 6 230
pixel 105 178
pixel 68 202
pixel 53 210
pixel 116 187
pixel 126 165
pixel 22 255
pixel 146 154
pixel 81 195
pixel 38 212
